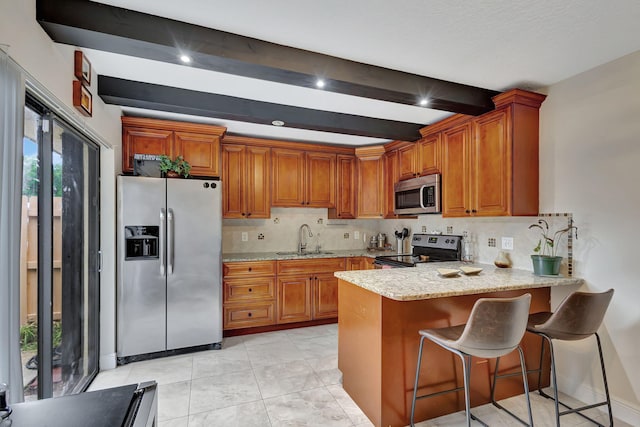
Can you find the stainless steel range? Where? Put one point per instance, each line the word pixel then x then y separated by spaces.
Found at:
pixel 426 248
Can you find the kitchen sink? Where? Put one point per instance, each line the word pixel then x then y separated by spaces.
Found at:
pixel 304 253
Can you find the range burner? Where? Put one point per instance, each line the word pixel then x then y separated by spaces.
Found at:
pixel 436 247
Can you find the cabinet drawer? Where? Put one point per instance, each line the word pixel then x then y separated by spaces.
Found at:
pixel 315 265
pixel 249 268
pixel 259 288
pixel 249 315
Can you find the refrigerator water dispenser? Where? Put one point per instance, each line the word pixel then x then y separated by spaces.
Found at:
pixel 141 241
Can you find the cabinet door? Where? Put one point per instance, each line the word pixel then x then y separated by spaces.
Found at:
pixel 320 180
pixel 391 176
pixel 202 151
pixel 294 298
pixel 370 187
pixel 256 289
pixel 491 172
pixel 346 188
pixel 325 296
pixel 407 162
pixel 455 165
pixel 288 178
pixel 233 179
pixel 356 263
pixel 429 155
pixel 238 316
pixel 257 188
pixel 144 141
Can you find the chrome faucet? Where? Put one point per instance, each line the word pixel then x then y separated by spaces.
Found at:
pixel 302 240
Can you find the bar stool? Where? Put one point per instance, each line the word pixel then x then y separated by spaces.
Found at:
pixel 494 329
pixel 577 317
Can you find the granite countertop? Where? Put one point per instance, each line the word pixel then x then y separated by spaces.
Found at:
pixel 275 256
pixel 424 282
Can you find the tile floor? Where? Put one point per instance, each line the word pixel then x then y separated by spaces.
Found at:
pixel 285 378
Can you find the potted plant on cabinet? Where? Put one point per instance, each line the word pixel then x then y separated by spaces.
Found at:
pixel 174 168
pixel 546 262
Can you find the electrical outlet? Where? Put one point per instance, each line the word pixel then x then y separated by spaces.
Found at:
pixel 346 235
pixel 319 221
pixel 449 229
pixel 260 236
pixel 424 228
pixel 245 236
pixel 356 235
pixel 492 242
pixel 507 243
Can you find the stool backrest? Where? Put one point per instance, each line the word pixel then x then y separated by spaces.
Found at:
pixel 495 325
pixel 578 316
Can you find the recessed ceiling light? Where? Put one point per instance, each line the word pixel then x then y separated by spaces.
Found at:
pixel 320 83
pixel 184 58
pixel 424 102
pixel 277 123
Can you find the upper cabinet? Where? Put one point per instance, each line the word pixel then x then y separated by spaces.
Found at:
pixel 391 176
pixel 245 174
pixel 490 163
pixel 370 173
pixel 428 159
pixel 407 162
pixel 346 188
pixel 199 144
pixel 303 178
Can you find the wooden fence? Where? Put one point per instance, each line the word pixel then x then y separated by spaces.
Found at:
pixel 29 259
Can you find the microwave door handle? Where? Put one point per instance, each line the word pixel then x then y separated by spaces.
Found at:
pixel 161 242
pixel 170 241
pixel 422 196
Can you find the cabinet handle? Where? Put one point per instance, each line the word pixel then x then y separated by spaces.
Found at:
pixel 467 211
pixel 250 290
pixel 249 268
pixel 302 203
pixel 242 214
pixel 473 211
pixel 249 214
pixel 249 314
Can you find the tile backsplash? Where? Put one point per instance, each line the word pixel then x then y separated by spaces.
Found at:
pixel 280 233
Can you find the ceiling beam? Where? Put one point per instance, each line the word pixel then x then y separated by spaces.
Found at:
pixel 113 29
pixel 130 93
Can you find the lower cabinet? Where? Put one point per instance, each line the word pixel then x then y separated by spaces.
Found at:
pixel 307 289
pixel 360 263
pixel 249 294
pixel 266 293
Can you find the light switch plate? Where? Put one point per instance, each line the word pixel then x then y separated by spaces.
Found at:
pixel 245 236
pixel 507 243
pixel 356 235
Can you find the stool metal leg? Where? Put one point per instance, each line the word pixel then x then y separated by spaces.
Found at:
pixel 415 385
pixel 554 385
pixel 523 372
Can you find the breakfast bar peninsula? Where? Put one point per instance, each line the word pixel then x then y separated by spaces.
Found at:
pixel 380 313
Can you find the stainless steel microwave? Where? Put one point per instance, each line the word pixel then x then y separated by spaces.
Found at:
pixel 417 195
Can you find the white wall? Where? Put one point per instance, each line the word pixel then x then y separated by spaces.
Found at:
pixel 590 157
pixel 52 66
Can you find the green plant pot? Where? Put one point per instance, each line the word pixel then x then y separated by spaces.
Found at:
pixel 546 265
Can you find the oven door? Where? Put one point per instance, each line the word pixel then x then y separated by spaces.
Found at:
pixel 417 196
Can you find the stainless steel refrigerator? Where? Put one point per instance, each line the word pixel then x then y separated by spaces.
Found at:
pixel 169 291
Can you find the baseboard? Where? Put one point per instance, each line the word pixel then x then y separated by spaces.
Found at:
pixel 622 410
pixel 107 361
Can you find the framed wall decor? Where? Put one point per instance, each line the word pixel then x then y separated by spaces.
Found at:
pixel 82 99
pixel 82 67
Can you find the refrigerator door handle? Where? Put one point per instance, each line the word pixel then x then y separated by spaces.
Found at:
pixel 170 239
pixel 161 242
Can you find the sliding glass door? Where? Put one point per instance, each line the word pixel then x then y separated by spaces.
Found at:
pixel 61 248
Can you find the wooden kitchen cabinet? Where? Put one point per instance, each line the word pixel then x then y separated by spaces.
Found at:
pixel 249 294
pixel 490 163
pixel 360 263
pixel 407 162
pixel 303 178
pixel 391 176
pixel 370 173
pixel 307 289
pixel 428 159
pixel 247 188
pixel 199 144
pixel 346 188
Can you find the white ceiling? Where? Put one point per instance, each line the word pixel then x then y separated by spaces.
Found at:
pixel 494 44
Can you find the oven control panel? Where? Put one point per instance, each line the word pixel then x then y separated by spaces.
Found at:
pixel 438 241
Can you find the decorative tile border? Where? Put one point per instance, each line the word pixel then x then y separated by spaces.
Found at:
pixel 569 217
